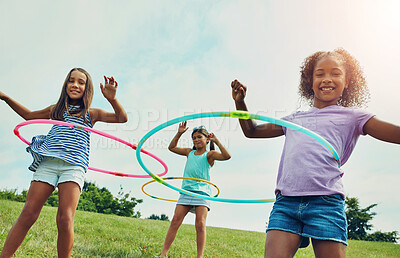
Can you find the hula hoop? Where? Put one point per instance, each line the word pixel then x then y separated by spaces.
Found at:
pixel 234 114
pixel 179 177
pixel 88 129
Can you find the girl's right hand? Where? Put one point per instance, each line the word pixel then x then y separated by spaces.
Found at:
pixel 182 127
pixel 238 91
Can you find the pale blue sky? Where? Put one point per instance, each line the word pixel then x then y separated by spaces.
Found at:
pixel 178 57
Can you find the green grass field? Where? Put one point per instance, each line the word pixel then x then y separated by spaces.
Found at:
pixel 99 235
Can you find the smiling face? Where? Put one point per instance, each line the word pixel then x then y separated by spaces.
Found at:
pixel 199 140
pixel 76 87
pixel 329 81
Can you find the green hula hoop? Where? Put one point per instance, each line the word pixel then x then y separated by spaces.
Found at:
pixel 234 114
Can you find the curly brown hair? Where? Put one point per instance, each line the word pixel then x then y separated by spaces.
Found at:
pixel 357 92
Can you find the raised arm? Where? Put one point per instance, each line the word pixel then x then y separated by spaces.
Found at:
pixel 174 142
pixel 24 112
pixel 249 127
pixel 382 130
pixel 216 155
pixel 109 92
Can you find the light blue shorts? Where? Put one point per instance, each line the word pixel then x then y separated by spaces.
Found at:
pixel 185 199
pixel 318 217
pixel 55 171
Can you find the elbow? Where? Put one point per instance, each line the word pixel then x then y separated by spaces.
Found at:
pixel 123 118
pixel 248 135
pixel 248 132
pixel 228 156
pixel 27 117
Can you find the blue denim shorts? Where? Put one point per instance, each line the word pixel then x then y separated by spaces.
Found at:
pixel 185 199
pixel 318 217
pixel 55 171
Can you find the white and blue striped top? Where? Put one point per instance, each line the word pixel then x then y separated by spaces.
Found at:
pixel 63 142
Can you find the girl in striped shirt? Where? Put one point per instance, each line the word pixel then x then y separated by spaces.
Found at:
pixel 61 157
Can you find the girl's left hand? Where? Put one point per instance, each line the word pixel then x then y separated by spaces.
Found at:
pixel 109 89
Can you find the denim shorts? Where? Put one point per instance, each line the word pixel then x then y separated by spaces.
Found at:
pixel 318 217
pixel 55 171
pixel 193 201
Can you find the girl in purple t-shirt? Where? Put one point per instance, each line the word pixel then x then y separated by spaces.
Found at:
pixel 309 193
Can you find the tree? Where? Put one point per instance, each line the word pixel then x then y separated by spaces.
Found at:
pixel 156 217
pixel 358 223
pixel 358 219
pixel 383 236
pixel 102 201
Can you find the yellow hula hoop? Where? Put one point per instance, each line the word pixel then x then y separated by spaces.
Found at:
pixel 177 177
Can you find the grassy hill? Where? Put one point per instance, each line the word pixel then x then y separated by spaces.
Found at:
pixel 99 235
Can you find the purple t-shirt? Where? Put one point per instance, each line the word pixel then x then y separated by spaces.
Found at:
pixel 307 167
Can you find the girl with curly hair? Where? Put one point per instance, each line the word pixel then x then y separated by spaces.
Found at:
pixel 309 191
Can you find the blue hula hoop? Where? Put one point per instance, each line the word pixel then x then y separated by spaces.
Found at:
pixel 234 114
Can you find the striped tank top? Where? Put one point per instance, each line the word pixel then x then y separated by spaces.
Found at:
pixel 66 143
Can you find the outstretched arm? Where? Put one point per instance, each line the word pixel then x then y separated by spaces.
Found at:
pixel 174 142
pixel 109 91
pixel 382 130
pixel 24 112
pixel 215 155
pixel 249 127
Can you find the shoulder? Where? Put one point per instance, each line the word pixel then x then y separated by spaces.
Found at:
pixel 96 114
pixel 354 113
pixel 189 152
pixel 93 112
pixel 211 153
pixel 47 111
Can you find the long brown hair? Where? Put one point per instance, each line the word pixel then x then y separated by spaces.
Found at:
pixel 57 113
pixel 356 94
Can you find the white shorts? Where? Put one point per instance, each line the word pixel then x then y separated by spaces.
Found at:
pixel 55 171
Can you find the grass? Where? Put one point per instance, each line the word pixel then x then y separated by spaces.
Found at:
pixel 99 235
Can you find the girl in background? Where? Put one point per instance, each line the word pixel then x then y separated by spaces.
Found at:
pixel 61 158
pixel 198 164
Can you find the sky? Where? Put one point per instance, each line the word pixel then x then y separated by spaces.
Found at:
pixel 173 58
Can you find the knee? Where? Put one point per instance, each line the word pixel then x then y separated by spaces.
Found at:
pixel 176 222
pixel 64 220
pixel 29 215
pixel 200 225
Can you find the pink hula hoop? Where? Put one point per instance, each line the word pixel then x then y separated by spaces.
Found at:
pixel 62 123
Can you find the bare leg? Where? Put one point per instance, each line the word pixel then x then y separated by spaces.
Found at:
pixel 37 195
pixel 325 248
pixel 201 216
pixel 281 244
pixel 68 193
pixel 180 213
